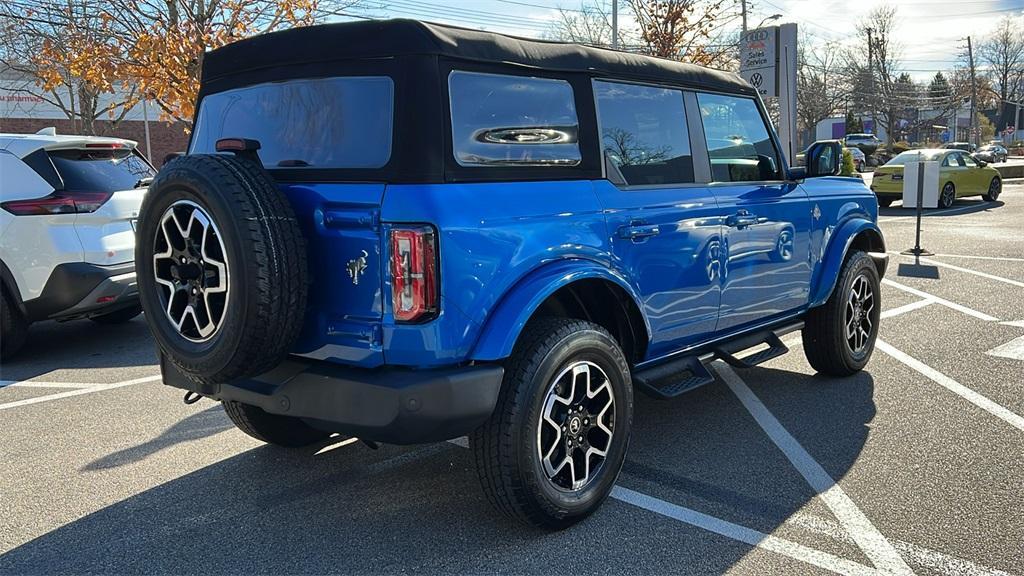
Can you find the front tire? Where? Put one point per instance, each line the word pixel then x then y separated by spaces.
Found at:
pixel 286 431
pixel 839 336
pixel 994 189
pixel 550 453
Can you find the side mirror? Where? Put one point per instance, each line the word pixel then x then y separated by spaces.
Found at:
pixel 824 158
pixel 980 162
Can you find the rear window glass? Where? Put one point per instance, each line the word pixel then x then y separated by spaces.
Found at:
pixel 343 122
pixel 502 120
pixel 643 133
pixel 101 170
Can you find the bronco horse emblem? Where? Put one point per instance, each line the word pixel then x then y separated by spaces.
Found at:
pixel 356 267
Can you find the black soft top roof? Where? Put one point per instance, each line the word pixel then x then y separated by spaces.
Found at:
pixel 327 44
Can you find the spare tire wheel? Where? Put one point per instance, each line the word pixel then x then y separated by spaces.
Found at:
pixel 221 267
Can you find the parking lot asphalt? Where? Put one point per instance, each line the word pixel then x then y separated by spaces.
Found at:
pixel 915 465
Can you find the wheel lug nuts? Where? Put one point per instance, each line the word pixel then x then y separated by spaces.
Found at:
pixel 579 439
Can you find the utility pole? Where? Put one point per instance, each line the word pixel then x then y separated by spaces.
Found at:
pixel 743 11
pixel 615 24
pixel 973 136
pixel 871 81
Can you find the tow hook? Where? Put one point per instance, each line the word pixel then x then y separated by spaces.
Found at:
pixel 192 397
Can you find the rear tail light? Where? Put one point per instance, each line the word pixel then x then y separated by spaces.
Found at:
pixel 60 202
pixel 414 273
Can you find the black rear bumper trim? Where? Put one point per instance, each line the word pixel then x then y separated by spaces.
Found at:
pixel 391 405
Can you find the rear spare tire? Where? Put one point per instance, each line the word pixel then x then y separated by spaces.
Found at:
pixel 221 267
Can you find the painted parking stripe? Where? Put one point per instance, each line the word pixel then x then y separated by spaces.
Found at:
pixel 90 390
pixel 965 270
pixel 906 308
pixel 942 301
pixel 953 386
pixel 36 384
pixel 931 213
pixel 874 545
pixel 749 536
pixel 972 257
pixel 1014 349
pixel 917 555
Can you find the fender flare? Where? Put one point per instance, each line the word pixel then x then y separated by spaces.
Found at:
pixel 844 237
pixel 504 324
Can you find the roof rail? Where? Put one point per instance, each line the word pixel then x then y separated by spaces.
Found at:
pixel 48 131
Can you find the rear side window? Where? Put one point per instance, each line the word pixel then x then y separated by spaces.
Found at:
pixel 343 122
pixel 500 120
pixel 738 141
pixel 100 170
pixel 643 133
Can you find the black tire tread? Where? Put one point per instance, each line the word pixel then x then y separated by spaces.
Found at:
pixel 987 196
pixel 13 327
pixel 274 429
pixel 275 273
pixel 823 340
pixel 493 444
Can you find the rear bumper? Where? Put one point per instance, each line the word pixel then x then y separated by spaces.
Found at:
pixel 392 405
pixel 78 289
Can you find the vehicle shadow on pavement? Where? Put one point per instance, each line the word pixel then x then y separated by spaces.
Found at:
pixel 81 344
pixel 961 206
pixel 199 425
pixel 419 509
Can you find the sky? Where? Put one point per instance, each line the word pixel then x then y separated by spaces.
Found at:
pixel 931 32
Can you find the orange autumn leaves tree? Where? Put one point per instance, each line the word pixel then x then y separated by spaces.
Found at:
pixel 157 46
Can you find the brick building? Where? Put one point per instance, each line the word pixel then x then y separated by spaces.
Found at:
pixel 24 113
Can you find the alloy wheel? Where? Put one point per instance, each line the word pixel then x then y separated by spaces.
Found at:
pixel 577 425
pixel 190 265
pixel 994 188
pixel 860 304
pixel 948 195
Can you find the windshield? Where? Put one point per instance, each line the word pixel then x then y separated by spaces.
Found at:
pixel 914 156
pixel 343 122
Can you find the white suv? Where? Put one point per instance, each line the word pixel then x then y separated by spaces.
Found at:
pixel 68 206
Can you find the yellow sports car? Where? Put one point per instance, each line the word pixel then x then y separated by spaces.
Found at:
pixel 960 174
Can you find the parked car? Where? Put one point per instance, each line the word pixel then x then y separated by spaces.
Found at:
pixel 410 232
pixel 992 153
pixel 859 159
pixel 867 143
pixel 965 146
pixel 960 175
pixel 68 206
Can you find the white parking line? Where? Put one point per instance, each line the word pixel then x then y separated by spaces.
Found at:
pixel 965 270
pixel 37 384
pixel 916 555
pixel 999 258
pixel 874 545
pixel 91 389
pixel 750 536
pixel 943 301
pixel 953 386
pixel 906 308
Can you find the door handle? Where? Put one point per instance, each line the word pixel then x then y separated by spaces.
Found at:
pixel 637 231
pixel 741 219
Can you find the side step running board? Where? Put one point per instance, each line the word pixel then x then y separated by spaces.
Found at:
pixel 683 374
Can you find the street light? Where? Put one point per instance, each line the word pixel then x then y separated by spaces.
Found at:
pixel 772 17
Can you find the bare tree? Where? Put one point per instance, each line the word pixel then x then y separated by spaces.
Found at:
pixel 822 90
pixel 590 24
pixel 1003 52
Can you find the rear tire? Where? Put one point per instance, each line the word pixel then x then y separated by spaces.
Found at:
pixel 947 196
pixel 994 189
pixel 118 316
pixel 13 327
pixel 826 336
pixel 553 358
pixel 286 431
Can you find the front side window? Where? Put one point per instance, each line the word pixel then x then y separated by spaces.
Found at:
pixel 739 143
pixel 343 122
pixel 968 160
pixel 500 120
pixel 643 133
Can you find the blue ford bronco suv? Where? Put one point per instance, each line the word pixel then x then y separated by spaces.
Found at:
pixel 408 232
